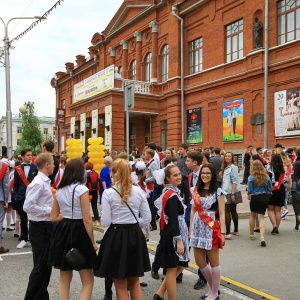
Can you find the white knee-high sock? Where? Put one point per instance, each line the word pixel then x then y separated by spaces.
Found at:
pixel 216 277
pixel 8 220
pixel 207 274
pixel 13 214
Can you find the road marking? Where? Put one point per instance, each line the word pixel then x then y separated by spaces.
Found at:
pixel 14 254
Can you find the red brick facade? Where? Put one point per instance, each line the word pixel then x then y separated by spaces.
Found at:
pixel 140 27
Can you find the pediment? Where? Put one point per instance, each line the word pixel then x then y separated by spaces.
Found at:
pixel 129 10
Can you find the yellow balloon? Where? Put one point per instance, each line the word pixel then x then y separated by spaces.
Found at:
pixel 102 147
pixel 68 141
pixel 101 153
pixel 100 139
pixel 90 141
pixel 101 161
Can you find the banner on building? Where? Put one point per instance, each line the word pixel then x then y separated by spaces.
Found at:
pixel 233 120
pixel 95 84
pixel 95 123
pixel 108 129
pixel 194 126
pixel 287 112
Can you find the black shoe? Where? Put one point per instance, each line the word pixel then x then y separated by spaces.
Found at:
pixel 13 224
pixel 257 230
pixel 200 284
pixel 10 229
pixel 263 243
pixel 154 275
pixel 143 284
pixel 277 231
pixel 16 235
pixel 153 228
pixel 99 241
pixel 107 297
pixel 156 297
pixel 178 280
pixel 205 296
pixel 274 230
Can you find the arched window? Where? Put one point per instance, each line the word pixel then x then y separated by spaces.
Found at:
pixel 120 70
pixel 164 63
pixel 133 70
pixel 148 67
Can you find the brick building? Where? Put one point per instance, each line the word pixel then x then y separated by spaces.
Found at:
pixel 199 72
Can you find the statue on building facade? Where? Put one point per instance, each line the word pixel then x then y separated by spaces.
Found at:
pixel 257 30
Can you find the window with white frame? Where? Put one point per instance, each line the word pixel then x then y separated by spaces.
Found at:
pixel 133 70
pixel 45 130
pixel 19 130
pixel 148 66
pixel 164 63
pixel 196 52
pixel 234 41
pixel 288 21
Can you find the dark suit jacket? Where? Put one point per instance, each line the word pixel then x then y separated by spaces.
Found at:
pixel 19 191
pixel 216 161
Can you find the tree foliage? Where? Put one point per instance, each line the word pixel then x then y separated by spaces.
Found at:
pixel 31 134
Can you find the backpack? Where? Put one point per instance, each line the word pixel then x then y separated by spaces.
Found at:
pixel 93 183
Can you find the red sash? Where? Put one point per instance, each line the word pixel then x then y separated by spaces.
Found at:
pixel 54 185
pixel 165 199
pixel 280 182
pixel 150 186
pixel 22 175
pixel 207 220
pixel 3 170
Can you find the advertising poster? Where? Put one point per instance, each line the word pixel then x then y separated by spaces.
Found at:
pixel 95 84
pixel 233 120
pixel 287 112
pixel 194 126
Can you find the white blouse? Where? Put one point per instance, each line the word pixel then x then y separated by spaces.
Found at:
pixel 64 199
pixel 114 212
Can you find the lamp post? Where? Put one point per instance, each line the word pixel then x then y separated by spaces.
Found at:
pixel 7 85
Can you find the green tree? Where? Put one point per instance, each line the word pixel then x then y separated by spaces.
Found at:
pixel 31 134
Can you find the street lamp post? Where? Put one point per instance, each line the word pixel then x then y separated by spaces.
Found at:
pixel 7 85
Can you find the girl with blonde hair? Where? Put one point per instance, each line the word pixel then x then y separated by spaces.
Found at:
pixel 259 189
pixel 123 254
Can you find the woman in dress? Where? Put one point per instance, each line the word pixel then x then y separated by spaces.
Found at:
pixel 259 188
pixel 174 244
pixel 206 232
pixel 123 254
pixel 296 193
pixel 75 229
pixel 231 186
pixel 276 201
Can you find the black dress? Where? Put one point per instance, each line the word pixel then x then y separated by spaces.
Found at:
pixel 168 257
pixel 278 195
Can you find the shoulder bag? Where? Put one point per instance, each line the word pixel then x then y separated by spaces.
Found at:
pixel 74 257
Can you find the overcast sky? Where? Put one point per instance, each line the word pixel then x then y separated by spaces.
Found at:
pixel 44 50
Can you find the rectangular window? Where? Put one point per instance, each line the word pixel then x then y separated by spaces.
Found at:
pixel 195 53
pixel 19 129
pixel 63 104
pixel 234 41
pixel 288 21
pixel 45 130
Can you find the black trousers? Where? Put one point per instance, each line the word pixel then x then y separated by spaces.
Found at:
pixel 94 203
pixel 23 219
pixel 40 235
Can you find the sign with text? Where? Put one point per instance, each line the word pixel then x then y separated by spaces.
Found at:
pixel 60 116
pixel 95 84
pixel 287 112
pixel 194 126
pixel 233 120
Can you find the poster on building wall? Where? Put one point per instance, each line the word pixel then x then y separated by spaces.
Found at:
pixel 194 126
pixel 287 112
pixel 95 84
pixel 233 120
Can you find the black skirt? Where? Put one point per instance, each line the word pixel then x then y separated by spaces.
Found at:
pixel 168 257
pixel 277 197
pixel 259 203
pixel 123 252
pixel 61 244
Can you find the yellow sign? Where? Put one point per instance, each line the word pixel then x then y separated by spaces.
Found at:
pixel 95 84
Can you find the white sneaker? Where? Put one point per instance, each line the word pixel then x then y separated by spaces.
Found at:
pixel 22 244
pixel 284 212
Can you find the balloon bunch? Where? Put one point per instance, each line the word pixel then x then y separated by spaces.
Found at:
pixel 96 153
pixel 74 149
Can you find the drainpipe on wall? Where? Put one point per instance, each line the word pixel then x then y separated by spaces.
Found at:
pixel 174 9
pixel 266 75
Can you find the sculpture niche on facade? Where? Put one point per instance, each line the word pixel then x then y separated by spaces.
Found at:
pixel 257 31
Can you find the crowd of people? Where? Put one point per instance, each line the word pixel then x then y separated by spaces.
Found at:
pixel 189 195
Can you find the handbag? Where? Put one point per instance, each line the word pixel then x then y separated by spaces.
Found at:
pixel 238 198
pixel 74 257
